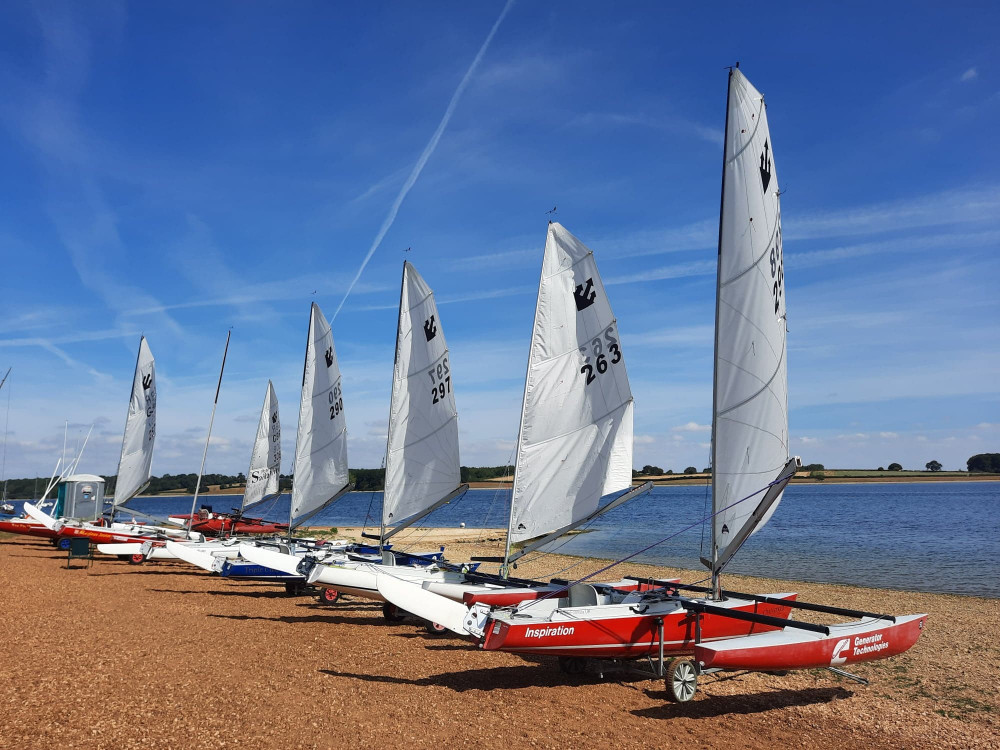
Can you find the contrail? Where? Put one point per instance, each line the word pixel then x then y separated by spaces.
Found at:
pixel 428 150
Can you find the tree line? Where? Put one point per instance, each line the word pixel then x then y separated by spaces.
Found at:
pixel 364 480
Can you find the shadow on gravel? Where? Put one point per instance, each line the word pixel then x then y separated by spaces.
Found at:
pixel 490 678
pixel 138 572
pixel 291 619
pixel 713 706
pixel 274 594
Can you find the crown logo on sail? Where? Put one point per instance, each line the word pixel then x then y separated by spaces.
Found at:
pixel 430 328
pixel 765 166
pixel 328 355
pixel 584 296
pixel 147 381
pixel 274 418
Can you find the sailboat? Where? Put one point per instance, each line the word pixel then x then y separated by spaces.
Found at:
pixel 751 468
pixel 133 467
pixel 320 469
pixel 262 485
pixel 574 443
pixel 423 470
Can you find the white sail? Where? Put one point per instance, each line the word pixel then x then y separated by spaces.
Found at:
pixel 265 460
pixel 575 441
pixel 321 441
pixel 140 429
pixel 422 463
pixel 750 437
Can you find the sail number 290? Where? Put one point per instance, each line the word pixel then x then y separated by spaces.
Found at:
pixel 595 359
pixel 440 380
pixel 336 401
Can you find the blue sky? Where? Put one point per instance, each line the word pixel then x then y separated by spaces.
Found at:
pixel 175 169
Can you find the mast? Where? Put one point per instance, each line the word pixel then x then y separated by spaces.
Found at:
pixel 208 438
pixel 298 431
pixel 716 583
pixel 392 394
pixel 520 431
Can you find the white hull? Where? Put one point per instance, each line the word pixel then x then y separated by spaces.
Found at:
pixel 361 579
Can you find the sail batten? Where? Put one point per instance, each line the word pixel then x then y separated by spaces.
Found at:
pixel 265 459
pixel 750 404
pixel 140 430
pixel 575 439
pixel 320 473
pixel 422 453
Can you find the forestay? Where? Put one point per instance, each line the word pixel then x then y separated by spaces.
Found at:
pixel 140 430
pixel 750 445
pixel 321 442
pixel 575 441
pixel 265 460
pixel 422 461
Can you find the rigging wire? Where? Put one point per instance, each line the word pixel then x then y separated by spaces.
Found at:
pixel 657 543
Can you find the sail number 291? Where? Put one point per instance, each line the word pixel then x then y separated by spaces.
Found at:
pixel 594 358
pixel 440 380
pixel 777 269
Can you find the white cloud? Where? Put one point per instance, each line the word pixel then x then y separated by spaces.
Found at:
pixel 643 439
pixel 969 75
pixel 693 427
pixel 888 435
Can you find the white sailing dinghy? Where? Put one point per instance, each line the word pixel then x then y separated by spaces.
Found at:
pixel 751 469
pixel 133 466
pixel 423 469
pixel 320 471
pixel 262 485
pixel 575 438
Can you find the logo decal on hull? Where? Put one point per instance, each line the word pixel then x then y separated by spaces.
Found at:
pixel 839 657
pixel 545 632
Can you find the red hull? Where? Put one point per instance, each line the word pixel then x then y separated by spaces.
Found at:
pixel 101 536
pixel 27 528
pixel 834 650
pixel 626 637
pixel 224 525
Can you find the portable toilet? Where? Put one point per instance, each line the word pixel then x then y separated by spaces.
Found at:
pixel 80 496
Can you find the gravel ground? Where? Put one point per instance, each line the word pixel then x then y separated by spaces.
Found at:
pixel 159 656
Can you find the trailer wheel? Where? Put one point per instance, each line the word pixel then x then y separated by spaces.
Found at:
pixel 137 559
pixel 682 680
pixel 63 543
pixel 328 596
pixel 391 612
pixel 434 629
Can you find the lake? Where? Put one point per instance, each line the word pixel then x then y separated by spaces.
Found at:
pixel 939 537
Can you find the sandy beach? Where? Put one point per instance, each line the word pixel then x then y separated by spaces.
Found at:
pixel 160 655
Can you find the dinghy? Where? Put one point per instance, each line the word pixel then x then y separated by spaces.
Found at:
pixel 574 446
pixel 320 469
pixel 751 468
pixel 423 469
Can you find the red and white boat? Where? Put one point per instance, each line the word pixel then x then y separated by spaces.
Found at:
pixel 751 468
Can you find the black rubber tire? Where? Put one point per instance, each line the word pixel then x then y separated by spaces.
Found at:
pixel 572 665
pixel 391 612
pixel 434 629
pixel 63 544
pixel 137 559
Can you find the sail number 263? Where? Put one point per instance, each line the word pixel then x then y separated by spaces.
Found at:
pixel 440 376
pixel 594 357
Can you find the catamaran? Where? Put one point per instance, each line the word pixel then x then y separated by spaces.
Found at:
pixel 751 468
pixel 423 470
pixel 133 468
pixel 320 471
pixel 262 486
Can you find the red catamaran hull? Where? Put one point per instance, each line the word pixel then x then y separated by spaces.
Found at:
pixel 627 637
pixel 809 651
pixel 27 528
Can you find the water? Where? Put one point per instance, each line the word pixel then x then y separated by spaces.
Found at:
pixel 937 537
